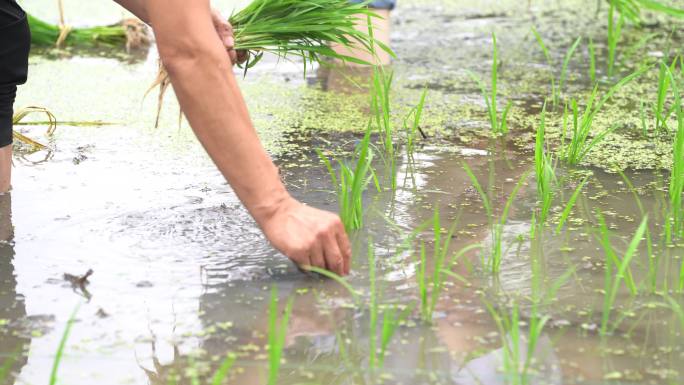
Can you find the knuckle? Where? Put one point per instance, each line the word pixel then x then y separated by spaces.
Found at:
pixel 296 252
pixel 321 232
pixel 337 223
pixel 336 261
pixel 307 244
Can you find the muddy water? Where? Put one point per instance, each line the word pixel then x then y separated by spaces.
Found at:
pixel 182 274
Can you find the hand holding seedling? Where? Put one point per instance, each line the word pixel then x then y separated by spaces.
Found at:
pixel 225 32
pixel 223 28
pixel 308 236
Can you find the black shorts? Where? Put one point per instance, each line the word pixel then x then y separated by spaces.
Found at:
pixel 15 42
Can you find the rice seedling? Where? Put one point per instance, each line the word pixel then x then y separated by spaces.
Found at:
pixel 428 302
pixel 557 87
pixel 544 169
pixel 566 64
pixel 343 282
pixel 193 372
pixel 290 27
pixel 493 263
pixel 412 124
pixel 676 187
pixel 374 308
pixel 677 310
pixel 547 182
pixel 628 56
pixel 614 34
pixel 498 125
pixel 381 112
pixel 352 181
pixel 611 254
pixel 381 107
pixel 223 370
pixel 276 335
pixel 22 113
pixel 612 282
pixel 518 349
pixel 6 367
pixel 571 203
pixel 642 114
pixel 392 317
pixel 680 281
pixel 547 57
pixel 580 145
pixel 664 79
pixel 592 61
pixel 631 9
pixel 60 348
pixel 430 286
pixel 653 259
pixel 129 33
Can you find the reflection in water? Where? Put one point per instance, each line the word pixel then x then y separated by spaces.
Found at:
pixel 344 80
pixel 12 308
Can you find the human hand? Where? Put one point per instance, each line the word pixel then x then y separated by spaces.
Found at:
pixel 308 236
pixel 225 32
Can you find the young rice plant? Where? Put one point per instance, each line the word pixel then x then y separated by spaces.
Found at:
pixel 276 335
pixel 580 142
pixel 499 125
pixel 352 181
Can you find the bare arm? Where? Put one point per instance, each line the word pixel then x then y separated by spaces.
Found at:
pixel 224 29
pixel 136 7
pixel 203 81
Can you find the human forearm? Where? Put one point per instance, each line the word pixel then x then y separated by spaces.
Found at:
pixel 136 7
pixel 191 48
pixel 207 90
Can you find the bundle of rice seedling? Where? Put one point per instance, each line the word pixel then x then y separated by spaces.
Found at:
pixel 301 28
pixel 130 33
pixel 631 9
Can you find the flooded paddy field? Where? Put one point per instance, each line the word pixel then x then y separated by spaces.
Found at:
pixel 506 291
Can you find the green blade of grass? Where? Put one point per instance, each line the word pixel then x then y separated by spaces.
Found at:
pixel 566 63
pixel 541 44
pixel 60 348
pixel 276 335
pixel 571 203
pixel 222 371
pixel 677 309
pixel 609 298
pixel 340 280
pixel 592 61
pixel 485 199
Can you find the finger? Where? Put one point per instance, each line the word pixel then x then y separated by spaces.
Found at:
pixel 302 261
pixel 229 42
pixel 223 28
pixel 233 56
pixel 218 19
pixel 317 258
pixel 345 248
pixel 333 255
